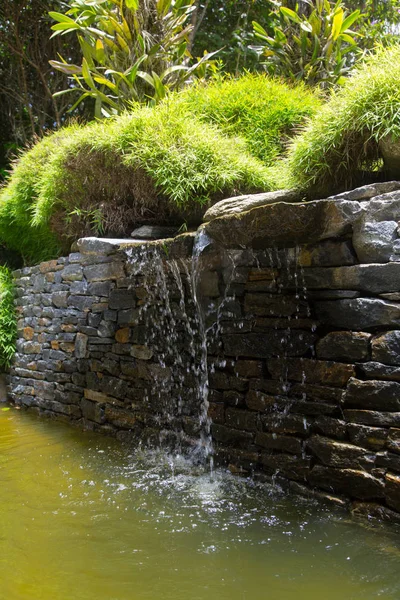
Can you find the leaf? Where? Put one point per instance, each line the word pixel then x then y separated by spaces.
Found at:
pixel 87 75
pixel 133 5
pixel 348 22
pixel 287 12
pixel 337 24
pixel 65 67
pixel 61 18
pixel 5 409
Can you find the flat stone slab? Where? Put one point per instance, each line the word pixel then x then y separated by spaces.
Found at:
pixel 284 223
pixel 238 204
pixel 366 192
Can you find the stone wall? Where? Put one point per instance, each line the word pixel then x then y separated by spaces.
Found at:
pixel 291 309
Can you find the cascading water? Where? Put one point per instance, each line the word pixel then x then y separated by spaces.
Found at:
pixel 170 313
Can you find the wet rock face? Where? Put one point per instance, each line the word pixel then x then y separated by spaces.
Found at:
pixel 300 326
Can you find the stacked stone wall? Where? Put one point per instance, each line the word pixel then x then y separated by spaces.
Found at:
pixel 300 309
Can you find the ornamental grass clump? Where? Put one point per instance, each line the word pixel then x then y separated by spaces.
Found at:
pixel 151 165
pixel 265 111
pixel 8 319
pixel 340 146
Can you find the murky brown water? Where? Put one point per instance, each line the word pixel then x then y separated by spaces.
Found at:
pixel 83 519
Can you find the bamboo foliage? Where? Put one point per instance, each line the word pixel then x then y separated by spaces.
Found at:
pixel 132 50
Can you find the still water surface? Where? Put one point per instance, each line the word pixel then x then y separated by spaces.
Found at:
pixel 82 518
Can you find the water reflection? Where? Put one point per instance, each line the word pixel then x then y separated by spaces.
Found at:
pixel 83 518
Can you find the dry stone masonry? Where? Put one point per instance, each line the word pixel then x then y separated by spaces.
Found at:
pixel 282 323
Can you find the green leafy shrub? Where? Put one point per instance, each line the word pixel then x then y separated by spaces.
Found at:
pixel 314 46
pixel 341 142
pixel 133 50
pixel 265 111
pixel 154 164
pixel 8 319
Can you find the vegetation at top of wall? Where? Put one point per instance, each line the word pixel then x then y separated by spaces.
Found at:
pixel 8 319
pixel 265 111
pixel 153 164
pixel 340 144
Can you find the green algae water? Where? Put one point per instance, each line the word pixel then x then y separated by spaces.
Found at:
pixel 82 518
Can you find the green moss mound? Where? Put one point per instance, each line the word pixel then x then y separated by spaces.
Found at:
pixel 8 319
pixel 339 147
pixel 161 164
pixel 265 111
pixel 153 164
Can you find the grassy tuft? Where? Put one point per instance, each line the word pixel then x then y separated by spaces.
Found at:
pixel 339 146
pixel 8 319
pixel 161 164
pixel 265 111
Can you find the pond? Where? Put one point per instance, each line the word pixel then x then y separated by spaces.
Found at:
pixel 84 518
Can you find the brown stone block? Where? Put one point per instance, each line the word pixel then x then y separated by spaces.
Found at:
pixel 372 510
pixel 352 482
pixel 392 490
pixel 372 417
pixel 273 441
pixel 216 412
pixel 28 333
pixel 288 465
pixel 265 274
pixel 308 370
pixel 50 265
pixel 330 427
pixel 241 419
pixel 339 454
pixel 344 345
pixel 280 423
pixel 258 401
pixel 101 398
pixel 249 368
pixel 373 438
pixel 226 435
pixel 393 441
pixel 122 335
pixel 318 393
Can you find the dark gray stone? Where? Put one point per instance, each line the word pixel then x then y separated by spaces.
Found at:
pixel 373 395
pixel 386 348
pixel 59 299
pixel 153 232
pixel 258 345
pixel 81 343
pixel 241 419
pixel 366 192
pixel 285 223
pixel 375 370
pixel 330 253
pixel 344 345
pixel 72 273
pixel 358 314
pixel 81 303
pixel 371 278
pixel 122 299
pixel 104 272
